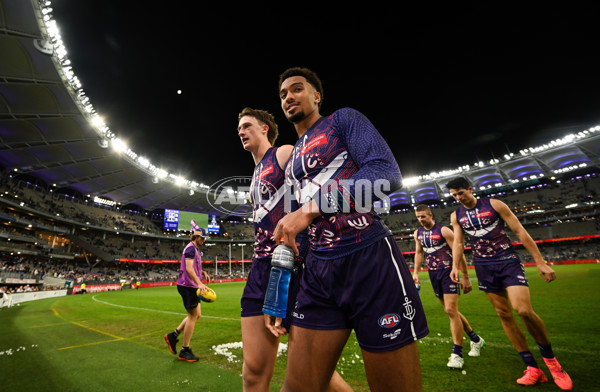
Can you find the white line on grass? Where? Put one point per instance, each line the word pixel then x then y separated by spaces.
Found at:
pixel 437 339
pixel 424 340
pixel 159 311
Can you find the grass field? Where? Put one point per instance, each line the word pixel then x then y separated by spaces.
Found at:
pixel 113 341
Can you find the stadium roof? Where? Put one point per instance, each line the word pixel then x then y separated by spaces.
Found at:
pixel 572 153
pixel 45 131
pixel 49 131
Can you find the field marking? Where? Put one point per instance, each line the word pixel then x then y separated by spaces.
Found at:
pixel 160 311
pixel 106 341
pixel 91 344
pixel 114 337
pixel 448 340
pixel 48 325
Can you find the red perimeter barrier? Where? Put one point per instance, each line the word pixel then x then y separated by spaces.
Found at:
pixel 561 262
pixel 95 288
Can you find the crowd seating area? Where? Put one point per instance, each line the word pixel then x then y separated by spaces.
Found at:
pixel 48 233
pixel 571 200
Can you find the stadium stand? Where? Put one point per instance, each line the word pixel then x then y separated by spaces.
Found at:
pixel 54 161
pixel 45 234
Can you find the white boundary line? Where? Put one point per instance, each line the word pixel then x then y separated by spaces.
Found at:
pixel 448 340
pixel 158 311
pixel 425 340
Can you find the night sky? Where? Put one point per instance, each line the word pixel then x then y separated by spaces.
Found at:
pixel 446 86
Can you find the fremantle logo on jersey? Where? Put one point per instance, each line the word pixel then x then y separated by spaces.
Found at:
pixel 409 309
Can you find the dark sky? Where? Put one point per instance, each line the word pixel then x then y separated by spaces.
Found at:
pixel 446 86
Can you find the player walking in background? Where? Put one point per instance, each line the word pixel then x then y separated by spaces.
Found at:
pixel 433 243
pixel 188 285
pixel 502 276
pixel 258 131
pixel 355 276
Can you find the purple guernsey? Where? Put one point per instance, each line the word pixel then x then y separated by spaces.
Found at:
pixel 438 254
pixel 488 236
pixel 344 164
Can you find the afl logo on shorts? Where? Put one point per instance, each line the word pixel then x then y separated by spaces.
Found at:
pixel 389 320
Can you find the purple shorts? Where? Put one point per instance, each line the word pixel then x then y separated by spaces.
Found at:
pixel 494 278
pixel 189 296
pixel 370 291
pixel 441 282
pixel 253 296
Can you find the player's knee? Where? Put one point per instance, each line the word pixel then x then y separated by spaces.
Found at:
pixel 504 313
pixel 451 311
pixel 525 312
pixel 255 375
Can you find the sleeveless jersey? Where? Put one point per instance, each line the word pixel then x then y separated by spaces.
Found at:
pixel 438 254
pixel 338 163
pixel 488 235
pixel 184 279
pixel 267 196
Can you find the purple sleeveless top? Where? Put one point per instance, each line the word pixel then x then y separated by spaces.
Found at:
pixel 438 254
pixel 190 252
pixel 488 236
pixel 267 193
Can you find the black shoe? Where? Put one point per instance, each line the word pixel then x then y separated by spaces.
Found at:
pixel 172 340
pixel 187 355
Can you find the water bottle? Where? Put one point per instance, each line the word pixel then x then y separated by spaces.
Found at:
pixel 418 286
pixel 276 297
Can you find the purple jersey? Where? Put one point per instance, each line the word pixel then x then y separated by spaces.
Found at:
pixel 190 252
pixel 438 254
pixel 267 197
pixel 486 230
pixel 341 162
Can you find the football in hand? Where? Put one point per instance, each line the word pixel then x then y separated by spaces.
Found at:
pixel 207 295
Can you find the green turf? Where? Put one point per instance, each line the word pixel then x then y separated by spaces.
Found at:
pixel 114 341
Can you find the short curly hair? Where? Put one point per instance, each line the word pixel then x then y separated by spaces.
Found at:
pixel 310 77
pixel 263 117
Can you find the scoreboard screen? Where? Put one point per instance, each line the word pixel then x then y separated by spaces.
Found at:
pixel 171 219
pixel 182 220
pixel 213 225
